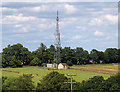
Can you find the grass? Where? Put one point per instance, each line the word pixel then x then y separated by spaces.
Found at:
pixel 98 68
pixel 40 72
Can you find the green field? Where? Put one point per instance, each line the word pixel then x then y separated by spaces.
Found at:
pixel 40 72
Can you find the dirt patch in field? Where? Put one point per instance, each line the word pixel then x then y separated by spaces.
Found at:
pixel 98 69
pixel 15 72
pixel 11 71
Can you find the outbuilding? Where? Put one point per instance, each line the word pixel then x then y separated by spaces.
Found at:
pixel 62 66
pixel 49 65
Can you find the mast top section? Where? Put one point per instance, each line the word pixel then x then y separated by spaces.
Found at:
pixel 57 16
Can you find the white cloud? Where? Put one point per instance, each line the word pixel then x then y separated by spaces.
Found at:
pixel 5 9
pixel 33 41
pixel 17 18
pixel 98 33
pixel 43 26
pixel 22 30
pixel 81 28
pixel 36 8
pixel 67 21
pixel 110 10
pixel 18 25
pixel 111 18
pixel 76 37
pixel 91 9
pixel 67 8
pixel 18 35
pixel 95 21
pixel 46 1
pixel 70 9
pixel 104 19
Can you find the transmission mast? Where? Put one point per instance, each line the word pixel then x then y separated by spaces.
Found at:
pixel 57 43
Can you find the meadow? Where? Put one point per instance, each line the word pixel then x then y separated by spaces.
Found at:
pixel 82 72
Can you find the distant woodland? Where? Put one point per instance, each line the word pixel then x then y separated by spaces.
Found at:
pixel 17 55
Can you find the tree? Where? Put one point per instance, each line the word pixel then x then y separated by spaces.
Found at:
pixel 93 55
pixel 69 63
pixel 96 55
pixel 111 55
pixel 54 82
pixel 68 55
pixel 23 82
pixel 41 53
pixel 93 83
pixel 111 84
pixel 16 55
pixel 35 62
pixel 51 53
pixel 81 55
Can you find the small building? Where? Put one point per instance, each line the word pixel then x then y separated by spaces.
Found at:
pixel 54 65
pixel 62 66
pixel 49 65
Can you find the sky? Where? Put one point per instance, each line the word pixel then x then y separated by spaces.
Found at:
pixel 60 0
pixel 90 25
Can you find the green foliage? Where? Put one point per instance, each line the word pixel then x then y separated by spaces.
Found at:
pixel 15 56
pixel 111 55
pixel 93 83
pixel 7 83
pixel 23 82
pixel 112 83
pixel 52 81
pixel 97 83
pixel 35 62
pixel 96 55
pixel 44 64
pixel 41 53
pixel 81 55
pixel 0 61
pixel 3 79
pixel 69 63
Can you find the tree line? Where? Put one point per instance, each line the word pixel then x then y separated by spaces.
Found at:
pixel 17 55
pixel 54 82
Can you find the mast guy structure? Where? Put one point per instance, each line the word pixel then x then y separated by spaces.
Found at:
pixel 57 43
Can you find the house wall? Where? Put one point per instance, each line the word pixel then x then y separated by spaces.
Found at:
pixel 49 65
pixel 60 66
pixel 66 67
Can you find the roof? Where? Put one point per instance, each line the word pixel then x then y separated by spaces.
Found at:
pixel 64 64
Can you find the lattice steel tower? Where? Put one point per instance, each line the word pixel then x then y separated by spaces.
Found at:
pixel 57 43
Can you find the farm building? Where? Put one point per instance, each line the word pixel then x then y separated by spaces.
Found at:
pixel 62 66
pixel 54 65
pixel 49 65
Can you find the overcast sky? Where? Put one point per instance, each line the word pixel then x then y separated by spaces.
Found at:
pixel 88 25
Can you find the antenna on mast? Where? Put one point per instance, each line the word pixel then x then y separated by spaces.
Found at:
pixel 57 42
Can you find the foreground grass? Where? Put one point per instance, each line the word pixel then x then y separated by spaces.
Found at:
pixel 39 73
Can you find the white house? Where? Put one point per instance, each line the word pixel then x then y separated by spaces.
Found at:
pixel 62 66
